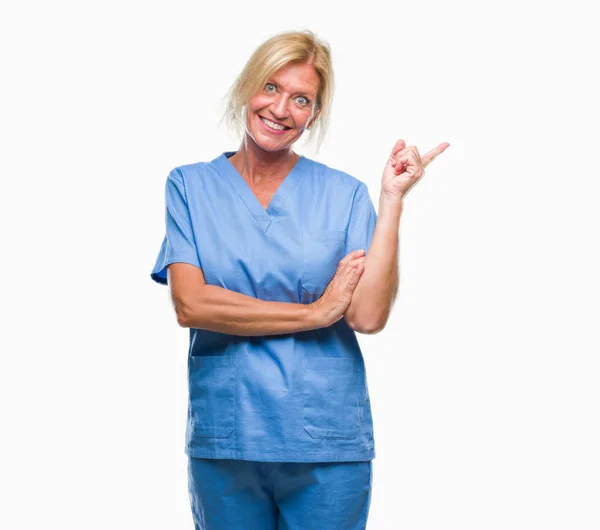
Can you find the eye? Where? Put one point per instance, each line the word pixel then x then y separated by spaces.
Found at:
pixel 270 87
pixel 302 101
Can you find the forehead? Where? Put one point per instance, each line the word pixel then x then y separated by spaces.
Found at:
pixel 297 78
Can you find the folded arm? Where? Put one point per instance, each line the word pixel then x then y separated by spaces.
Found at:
pixel 204 306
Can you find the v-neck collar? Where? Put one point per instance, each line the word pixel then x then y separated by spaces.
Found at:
pixel 263 217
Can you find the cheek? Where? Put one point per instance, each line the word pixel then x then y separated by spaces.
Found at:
pixel 301 119
pixel 258 102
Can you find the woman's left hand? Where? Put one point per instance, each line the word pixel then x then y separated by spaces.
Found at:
pixel 405 167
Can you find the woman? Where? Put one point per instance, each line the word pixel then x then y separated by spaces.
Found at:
pixel 265 256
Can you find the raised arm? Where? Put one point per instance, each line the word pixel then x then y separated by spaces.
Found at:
pixel 199 305
pixel 378 286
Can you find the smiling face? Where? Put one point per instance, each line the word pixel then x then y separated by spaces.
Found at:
pixel 277 115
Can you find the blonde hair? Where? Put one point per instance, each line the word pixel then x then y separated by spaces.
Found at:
pixel 293 47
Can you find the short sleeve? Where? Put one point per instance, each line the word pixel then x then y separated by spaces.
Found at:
pixel 363 219
pixel 178 244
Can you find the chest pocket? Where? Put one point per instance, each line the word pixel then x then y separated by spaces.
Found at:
pixel 322 251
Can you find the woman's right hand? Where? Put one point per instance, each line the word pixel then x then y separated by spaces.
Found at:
pixel 336 298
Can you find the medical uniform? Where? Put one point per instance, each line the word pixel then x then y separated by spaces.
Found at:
pixel 293 398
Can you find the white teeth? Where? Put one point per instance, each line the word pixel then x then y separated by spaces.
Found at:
pixel 272 125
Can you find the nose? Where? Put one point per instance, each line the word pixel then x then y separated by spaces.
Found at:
pixel 279 107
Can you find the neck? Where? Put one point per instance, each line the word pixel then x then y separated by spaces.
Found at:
pixel 256 164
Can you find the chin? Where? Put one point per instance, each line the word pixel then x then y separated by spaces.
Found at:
pixel 269 145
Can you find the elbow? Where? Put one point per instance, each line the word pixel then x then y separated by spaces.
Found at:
pixel 369 320
pixel 183 314
pixel 182 320
pixel 187 301
pixel 371 330
pixel 367 328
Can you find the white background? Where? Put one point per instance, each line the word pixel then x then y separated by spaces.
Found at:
pixel 484 384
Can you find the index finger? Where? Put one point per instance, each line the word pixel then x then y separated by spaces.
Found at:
pixel 429 157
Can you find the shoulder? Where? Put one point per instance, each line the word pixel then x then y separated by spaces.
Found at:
pixel 187 172
pixel 336 177
pixel 196 172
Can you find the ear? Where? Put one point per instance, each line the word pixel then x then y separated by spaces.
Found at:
pixel 313 120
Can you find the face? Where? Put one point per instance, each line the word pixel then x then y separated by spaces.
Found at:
pixel 277 115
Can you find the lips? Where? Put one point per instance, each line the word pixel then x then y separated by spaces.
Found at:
pixel 262 118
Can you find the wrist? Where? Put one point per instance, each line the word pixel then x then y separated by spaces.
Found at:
pixel 389 201
pixel 390 210
pixel 314 314
pixel 318 315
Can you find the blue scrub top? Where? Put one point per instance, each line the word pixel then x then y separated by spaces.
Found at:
pixel 298 397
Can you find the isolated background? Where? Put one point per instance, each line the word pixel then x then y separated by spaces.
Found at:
pixel 484 385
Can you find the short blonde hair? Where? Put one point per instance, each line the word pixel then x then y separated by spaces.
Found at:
pixel 299 47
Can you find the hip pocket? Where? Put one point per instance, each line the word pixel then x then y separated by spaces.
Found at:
pixel 212 395
pixel 322 251
pixel 330 398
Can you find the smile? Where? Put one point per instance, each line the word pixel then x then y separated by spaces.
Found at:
pixel 273 125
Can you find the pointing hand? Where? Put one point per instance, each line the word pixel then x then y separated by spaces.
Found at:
pixel 405 167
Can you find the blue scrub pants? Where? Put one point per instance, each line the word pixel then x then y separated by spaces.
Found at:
pixel 246 495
